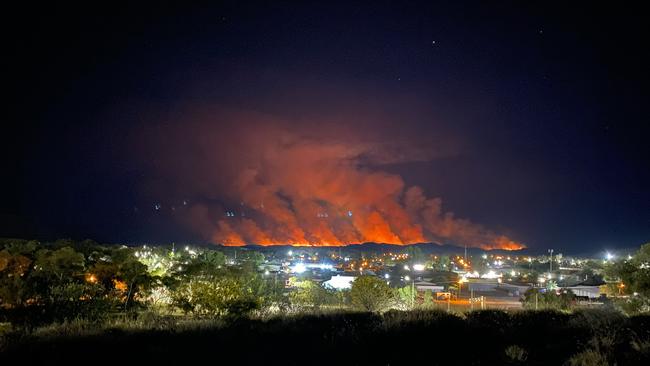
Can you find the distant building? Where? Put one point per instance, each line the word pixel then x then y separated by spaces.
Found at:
pixel 513 289
pixel 592 292
pixel 482 284
pixel 428 286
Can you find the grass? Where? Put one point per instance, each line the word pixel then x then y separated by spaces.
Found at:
pixel 487 337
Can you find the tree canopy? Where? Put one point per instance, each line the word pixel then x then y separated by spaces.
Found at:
pixel 370 293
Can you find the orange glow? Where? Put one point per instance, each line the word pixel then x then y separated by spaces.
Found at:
pixel 288 188
pixel 120 285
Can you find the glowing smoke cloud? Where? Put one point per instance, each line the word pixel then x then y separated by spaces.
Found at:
pixel 310 184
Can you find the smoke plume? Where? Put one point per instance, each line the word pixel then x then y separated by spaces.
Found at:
pixel 254 179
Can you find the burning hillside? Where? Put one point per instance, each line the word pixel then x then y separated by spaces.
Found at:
pixel 268 182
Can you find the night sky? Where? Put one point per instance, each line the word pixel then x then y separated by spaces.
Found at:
pixel 312 123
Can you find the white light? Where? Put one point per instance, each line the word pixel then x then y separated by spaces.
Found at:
pixel 484 256
pixel 340 282
pixel 299 268
pixel 318 265
pixel 290 252
pixel 266 272
pixel 406 268
pixel 386 276
pixel 513 273
pixel 490 275
pixel 187 248
pixel 609 256
pixel 407 278
pixel 418 267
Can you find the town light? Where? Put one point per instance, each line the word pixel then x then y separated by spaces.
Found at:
pixel 490 275
pixel 609 256
pixel 407 278
pixel 386 276
pixel 418 267
pixel 299 268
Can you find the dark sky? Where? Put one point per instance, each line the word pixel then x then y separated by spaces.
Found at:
pixel 529 120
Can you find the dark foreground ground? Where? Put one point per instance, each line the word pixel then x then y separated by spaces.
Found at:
pixel 395 338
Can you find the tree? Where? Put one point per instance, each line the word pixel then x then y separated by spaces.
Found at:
pixel 60 265
pixel 427 298
pixel 13 286
pixel 407 296
pixel 136 277
pixel 253 257
pixel 536 299
pixel 78 300
pixel 635 272
pixel 444 263
pixel 208 263
pixel 224 296
pixel 370 293
pixel 309 293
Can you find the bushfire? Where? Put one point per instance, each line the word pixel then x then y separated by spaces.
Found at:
pixel 268 182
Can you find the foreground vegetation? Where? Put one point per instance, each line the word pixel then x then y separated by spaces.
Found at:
pixel 487 337
pixel 70 301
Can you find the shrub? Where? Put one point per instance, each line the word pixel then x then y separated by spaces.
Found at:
pixel 588 357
